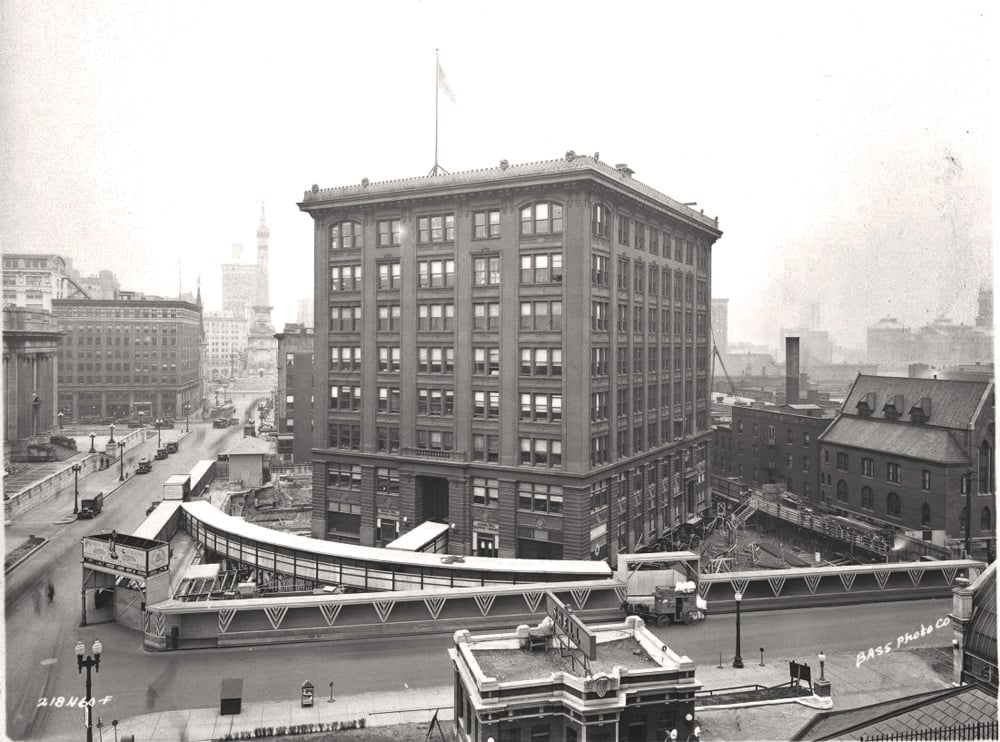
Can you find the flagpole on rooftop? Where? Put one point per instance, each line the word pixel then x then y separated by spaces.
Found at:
pixel 437 94
pixel 438 81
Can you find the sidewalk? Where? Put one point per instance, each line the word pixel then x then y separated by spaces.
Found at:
pixel 892 676
pixel 48 517
pixel 376 709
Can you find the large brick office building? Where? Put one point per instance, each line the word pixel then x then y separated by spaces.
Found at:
pixel 129 355
pixel 903 451
pixel 520 351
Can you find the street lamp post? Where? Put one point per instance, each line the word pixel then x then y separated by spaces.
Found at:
pixel 159 422
pixel 112 439
pixel 121 460
pixel 92 449
pixel 60 416
pixel 141 423
pixel 738 660
pixel 76 488
pixel 822 664
pixel 695 733
pixel 86 661
pixel 187 415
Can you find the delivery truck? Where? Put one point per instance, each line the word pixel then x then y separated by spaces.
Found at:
pixel 91 506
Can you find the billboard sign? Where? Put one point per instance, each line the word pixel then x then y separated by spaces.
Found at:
pixel 573 627
pixel 123 559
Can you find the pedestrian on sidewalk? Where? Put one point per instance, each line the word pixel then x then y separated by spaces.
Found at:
pixel 50 591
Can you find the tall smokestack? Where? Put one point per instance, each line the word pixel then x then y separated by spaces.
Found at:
pixel 791 370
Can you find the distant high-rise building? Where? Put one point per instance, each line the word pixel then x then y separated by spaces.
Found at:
pixel 102 286
pixel 226 345
pixel 239 288
pixel 984 318
pixel 720 324
pixel 305 313
pixel 813 320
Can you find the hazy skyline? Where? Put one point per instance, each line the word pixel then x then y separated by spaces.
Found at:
pixel 845 149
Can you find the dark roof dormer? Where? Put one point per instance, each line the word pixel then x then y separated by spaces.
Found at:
pixel 921 411
pixel 893 409
pixel 866 405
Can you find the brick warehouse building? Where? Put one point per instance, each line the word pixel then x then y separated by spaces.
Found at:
pixel 903 451
pixel 573 423
pixel 772 445
pixel 130 355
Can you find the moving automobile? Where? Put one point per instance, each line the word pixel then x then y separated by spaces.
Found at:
pixel 91 506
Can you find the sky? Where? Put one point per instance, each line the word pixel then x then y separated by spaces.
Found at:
pixel 846 148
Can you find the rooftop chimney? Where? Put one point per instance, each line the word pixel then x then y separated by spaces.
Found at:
pixel 791 370
pixel 624 169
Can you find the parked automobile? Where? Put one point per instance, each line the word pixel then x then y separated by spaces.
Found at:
pixel 145 465
pixel 152 507
pixel 161 453
pixel 172 446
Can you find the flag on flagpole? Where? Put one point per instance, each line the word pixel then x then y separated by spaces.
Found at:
pixel 443 84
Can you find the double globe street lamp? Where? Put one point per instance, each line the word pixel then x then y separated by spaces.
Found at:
pixel 83 660
pixel 121 460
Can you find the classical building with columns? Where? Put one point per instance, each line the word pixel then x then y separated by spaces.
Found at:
pixel 129 355
pixel 521 352
pixel 30 385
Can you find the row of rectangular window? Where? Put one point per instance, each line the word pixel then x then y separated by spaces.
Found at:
pixel 893 472
pixel 534 315
pixel 535 451
pixel 535 269
pixel 531 496
pixel 536 219
pixel 539 407
pixel 486 360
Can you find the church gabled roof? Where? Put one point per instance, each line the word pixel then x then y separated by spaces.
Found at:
pixel 953 404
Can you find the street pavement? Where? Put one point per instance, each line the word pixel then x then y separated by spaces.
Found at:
pixel 48 518
pixel 894 675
